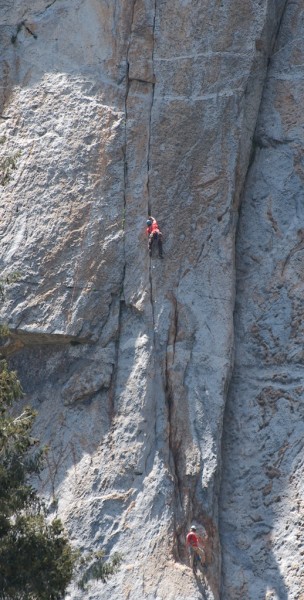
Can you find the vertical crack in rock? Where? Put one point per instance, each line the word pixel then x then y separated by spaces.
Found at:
pixel 126 115
pixel 239 194
pixel 152 301
pixel 250 110
pixel 149 163
pixel 151 109
pixel 174 445
pixel 112 387
pixel 279 27
pixel 125 187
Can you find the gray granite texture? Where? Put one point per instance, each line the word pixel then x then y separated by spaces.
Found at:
pixel 111 111
pixel 262 481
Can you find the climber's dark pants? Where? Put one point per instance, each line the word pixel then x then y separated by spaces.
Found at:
pixel 153 237
pixel 199 551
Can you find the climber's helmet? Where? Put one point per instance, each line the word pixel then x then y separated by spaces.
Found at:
pixel 193 528
pixel 149 222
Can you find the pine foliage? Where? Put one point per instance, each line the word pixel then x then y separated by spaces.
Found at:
pixel 36 558
pixel 95 567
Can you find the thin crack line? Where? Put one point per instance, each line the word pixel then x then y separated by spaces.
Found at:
pixel 125 166
pixel 149 165
pixel 150 117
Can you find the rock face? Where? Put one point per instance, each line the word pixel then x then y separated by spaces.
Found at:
pixel 111 111
pixel 263 440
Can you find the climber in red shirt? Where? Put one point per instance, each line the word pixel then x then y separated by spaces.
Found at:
pixel 194 544
pixel 154 233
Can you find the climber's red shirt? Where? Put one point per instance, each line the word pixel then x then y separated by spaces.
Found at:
pixel 153 227
pixel 192 539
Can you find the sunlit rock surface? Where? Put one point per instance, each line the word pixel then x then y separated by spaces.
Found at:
pixel 111 111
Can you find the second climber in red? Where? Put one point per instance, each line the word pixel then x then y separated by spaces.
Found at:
pixel 195 545
pixel 154 234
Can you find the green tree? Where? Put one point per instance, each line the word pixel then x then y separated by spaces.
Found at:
pixel 93 566
pixel 36 559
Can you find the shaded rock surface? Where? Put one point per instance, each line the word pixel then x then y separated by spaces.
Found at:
pixel 109 112
pixel 263 439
